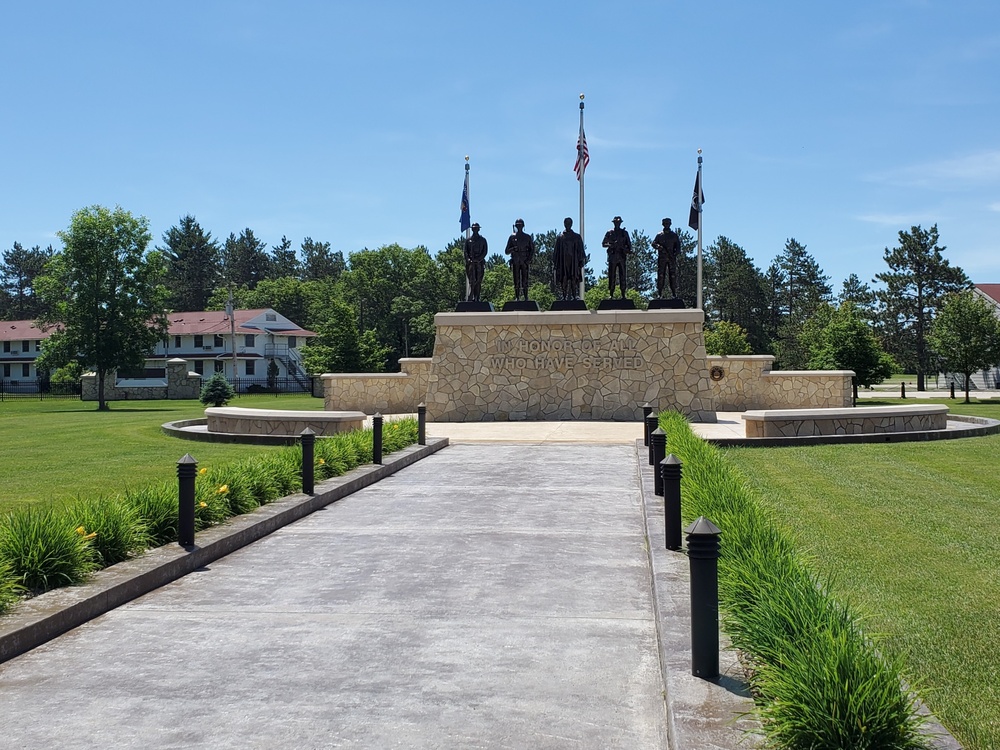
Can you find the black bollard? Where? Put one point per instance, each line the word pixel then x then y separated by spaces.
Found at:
pixel 703 554
pixel 658 441
pixel 187 470
pixel 647 409
pixel 308 460
pixel 902 390
pixel 421 424
pixel 377 438
pixel 952 390
pixel 670 471
pixel 651 423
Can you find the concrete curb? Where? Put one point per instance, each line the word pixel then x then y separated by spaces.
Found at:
pixel 977 427
pixel 44 617
pixel 709 713
pixel 700 713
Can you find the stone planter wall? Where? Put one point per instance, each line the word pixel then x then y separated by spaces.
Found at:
pixel 179 384
pixel 748 382
pixel 386 393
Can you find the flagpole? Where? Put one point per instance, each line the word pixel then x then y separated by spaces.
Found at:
pixel 468 232
pixel 579 156
pixel 700 222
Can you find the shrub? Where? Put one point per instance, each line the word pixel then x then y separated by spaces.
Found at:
pixel 43 550
pixel 216 391
pixel 818 679
pixel 120 530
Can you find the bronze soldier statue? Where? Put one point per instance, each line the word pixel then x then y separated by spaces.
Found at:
pixel 619 247
pixel 668 249
pixel 475 263
pixel 568 259
pixel 521 249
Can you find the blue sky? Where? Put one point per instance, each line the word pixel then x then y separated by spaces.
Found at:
pixel 836 124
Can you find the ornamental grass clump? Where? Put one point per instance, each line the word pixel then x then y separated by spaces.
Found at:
pixel 118 528
pixel 44 550
pixel 819 681
pixel 156 507
pixel 10 589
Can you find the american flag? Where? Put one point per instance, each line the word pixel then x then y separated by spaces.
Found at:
pixel 582 155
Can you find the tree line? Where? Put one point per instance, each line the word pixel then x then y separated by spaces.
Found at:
pixel 374 306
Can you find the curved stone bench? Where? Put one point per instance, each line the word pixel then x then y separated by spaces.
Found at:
pixel 236 420
pixel 862 420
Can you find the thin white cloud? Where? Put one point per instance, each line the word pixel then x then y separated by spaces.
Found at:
pixel 894 220
pixel 973 170
pixel 994 207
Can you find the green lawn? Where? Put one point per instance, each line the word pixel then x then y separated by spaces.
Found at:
pixel 56 449
pixel 906 531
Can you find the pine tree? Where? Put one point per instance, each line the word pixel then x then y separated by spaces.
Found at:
pixel 319 262
pixel 284 261
pixel 736 291
pixel 245 261
pixel 18 271
pixel 192 265
pixel 916 284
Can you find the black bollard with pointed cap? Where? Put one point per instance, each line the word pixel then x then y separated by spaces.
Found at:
pixel 647 409
pixel 308 460
pixel 651 423
pixel 421 423
pixel 187 470
pixel 670 470
pixel 703 555
pixel 658 442
pixel 377 439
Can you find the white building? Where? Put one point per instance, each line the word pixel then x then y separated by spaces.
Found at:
pixel 242 348
pixel 207 340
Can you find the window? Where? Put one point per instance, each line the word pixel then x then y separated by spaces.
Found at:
pixel 251 367
pixel 217 342
pixel 270 317
pixel 220 366
pixel 177 342
pixel 199 366
pixel 6 371
pixel 248 340
pixel 199 341
pixel 6 346
pixel 25 346
pixel 38 345
pixel 291 342
pixel 25 371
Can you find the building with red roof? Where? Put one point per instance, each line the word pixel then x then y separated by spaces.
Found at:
pixel 244 346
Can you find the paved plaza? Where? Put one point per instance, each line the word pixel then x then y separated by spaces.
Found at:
pixel 498 595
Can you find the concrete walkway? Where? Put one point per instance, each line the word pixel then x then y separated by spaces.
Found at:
pixel 489 596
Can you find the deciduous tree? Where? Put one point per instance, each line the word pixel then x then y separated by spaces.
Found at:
pixel 105 294
pixel 966 335
pixel 840 339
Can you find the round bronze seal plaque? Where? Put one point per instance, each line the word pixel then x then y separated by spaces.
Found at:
pixel 716 373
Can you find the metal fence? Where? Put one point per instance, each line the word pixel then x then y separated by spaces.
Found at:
pixel 11 390
pixel 277 386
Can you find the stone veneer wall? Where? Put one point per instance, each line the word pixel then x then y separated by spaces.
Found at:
pixel 861 423
pixel 568 365
pixel 748 383
pixel 181 384
pixel 386 392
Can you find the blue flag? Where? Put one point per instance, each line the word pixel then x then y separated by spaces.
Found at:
pixel 465 220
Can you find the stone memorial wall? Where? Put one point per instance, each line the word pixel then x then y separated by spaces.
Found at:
pixel 568 365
